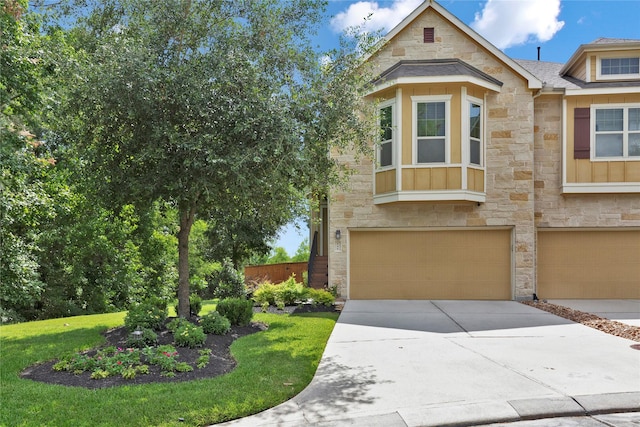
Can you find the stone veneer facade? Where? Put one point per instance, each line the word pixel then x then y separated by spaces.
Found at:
pixel 509 161
pixel 554 210
pixel 523 160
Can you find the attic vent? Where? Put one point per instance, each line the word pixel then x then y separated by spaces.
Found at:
pixel 429 35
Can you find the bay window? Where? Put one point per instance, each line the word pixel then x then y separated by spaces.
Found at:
pixel 475 133
pixel 385 148
pixel 431 129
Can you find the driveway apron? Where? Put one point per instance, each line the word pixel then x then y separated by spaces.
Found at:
pixel 623 311
pixel 428 363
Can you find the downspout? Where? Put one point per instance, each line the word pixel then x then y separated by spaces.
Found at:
pixel 534 297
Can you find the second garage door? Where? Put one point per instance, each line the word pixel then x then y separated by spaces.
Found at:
pixel 589 263
pixel 440 264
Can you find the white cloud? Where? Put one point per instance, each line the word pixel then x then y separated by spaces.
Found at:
pixel 507 23
pixel 382 18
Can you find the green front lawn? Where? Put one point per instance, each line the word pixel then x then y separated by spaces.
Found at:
pixel 273 366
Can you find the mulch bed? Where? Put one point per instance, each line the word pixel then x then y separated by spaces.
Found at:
pixel 605 325
pixel 220 362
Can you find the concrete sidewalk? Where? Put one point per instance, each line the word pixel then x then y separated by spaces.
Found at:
pixel 437 363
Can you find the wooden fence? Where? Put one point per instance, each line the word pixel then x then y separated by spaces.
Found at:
pixel 275 273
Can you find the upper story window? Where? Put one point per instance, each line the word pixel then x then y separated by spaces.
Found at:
pixel 431 128
pixel 617 131
pixel 618 68
pixel 475 133
pixel 385 147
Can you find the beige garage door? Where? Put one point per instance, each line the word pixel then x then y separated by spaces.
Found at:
pixel 460 264
pixel 588 264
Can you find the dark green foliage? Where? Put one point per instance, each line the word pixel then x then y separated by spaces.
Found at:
pixel 215 323
pixel 239 311
pixel 145 315
pixel 156 301
pixel 189 335
pixel 97 261
pixel 140 118
pixel 25 203
pixel 195 305
pixel 109 154
pixel 177 323
pixel 146 339
pixel 226 282
pixel 9 316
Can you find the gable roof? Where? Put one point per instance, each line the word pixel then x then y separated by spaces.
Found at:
pixel 605 40
pixel 533 81
pixel 600 44
pixel 553 80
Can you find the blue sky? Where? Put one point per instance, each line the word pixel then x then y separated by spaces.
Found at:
pixel 517 27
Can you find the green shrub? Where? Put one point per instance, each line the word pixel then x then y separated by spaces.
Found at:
pixel 239 311
pixel 10 316
pixel 320 296
pixel 265 293
pixel 145 315
pixel 215 323
pixel 195 305
pixel 189 336
pixel 226 282
pixel 146 339
pixel 290 292
pixel 177 323
pixel 156 301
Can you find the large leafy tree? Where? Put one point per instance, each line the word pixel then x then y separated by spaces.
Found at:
pixel 209 105
pixel 24 201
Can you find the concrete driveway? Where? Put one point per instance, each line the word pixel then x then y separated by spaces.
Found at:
pixel 624 311
pixel 435 363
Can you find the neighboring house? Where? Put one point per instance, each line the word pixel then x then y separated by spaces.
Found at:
pixel 493 178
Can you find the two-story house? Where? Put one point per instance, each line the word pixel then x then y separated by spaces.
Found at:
pixel 493 178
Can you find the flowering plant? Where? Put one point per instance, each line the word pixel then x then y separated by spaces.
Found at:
pixel 190 336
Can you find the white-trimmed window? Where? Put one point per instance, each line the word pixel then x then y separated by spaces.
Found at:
pixel 476 130
pixel 616 131
pixel 385 144
pixel 611 68
pixel 431 129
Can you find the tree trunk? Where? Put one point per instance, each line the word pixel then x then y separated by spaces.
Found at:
pixel 186 221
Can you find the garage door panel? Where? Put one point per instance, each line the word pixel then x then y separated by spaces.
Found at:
pixel 451 264
pixel 588 264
